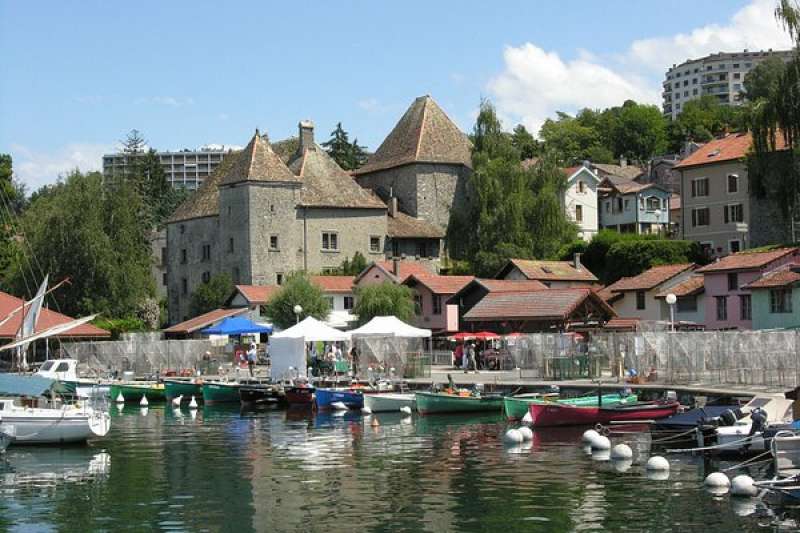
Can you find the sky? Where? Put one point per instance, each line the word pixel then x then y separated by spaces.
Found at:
pixel 77 75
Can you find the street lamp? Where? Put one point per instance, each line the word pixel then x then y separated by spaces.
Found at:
pixel 658 220
pixel 297 310
pixel 671 301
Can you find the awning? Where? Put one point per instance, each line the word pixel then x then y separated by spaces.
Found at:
pixel 237 325
pixel 312 330
pixel 15 385
pixel 389 326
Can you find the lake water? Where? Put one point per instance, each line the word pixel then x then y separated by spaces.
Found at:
pixel 232 470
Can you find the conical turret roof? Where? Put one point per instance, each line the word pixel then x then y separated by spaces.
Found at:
pixel 424 134
pixel 257 162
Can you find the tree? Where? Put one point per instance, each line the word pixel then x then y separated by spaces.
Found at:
pixel 348 155
pixel 353 267
pixel 385 299
pixel 523 141
pixel 211 294
pixel 96 239
pixel 636 131
pixel 703 119
pixel 297 290
pixel 134 143
pixel 573 140
pixel 763 80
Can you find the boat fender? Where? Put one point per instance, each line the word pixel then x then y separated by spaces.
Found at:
pixel 526 432
pixel 657 463
pixel 588 435
pixel 406 410
pixel 513 436
pixel 743 486
pixel 120 398
pixel 601 443
pixel 375 423
pixel 717 481
pixel 527 419
pixel 366 410
pixel 621 452
pixel 143 402
pixel 339 406
pixel 193 403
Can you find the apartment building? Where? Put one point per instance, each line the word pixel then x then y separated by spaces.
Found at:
pixel 186 169
pixel 720 75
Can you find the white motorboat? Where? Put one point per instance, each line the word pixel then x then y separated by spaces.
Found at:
pixel 733 438
pixel 66 372
pixel 785 448
pixel 389 402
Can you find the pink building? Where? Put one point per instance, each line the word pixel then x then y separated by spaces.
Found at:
pixel 728 303
pixel 431 293
pixel 395 271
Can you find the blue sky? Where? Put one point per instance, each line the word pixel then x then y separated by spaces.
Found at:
pixel 75 76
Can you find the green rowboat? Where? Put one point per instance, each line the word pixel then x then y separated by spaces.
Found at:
pixel 183 387
pixel 221 392
pixel 133 391
pixel 432 402
pixel 515 407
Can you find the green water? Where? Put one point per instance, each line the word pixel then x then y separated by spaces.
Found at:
pixel 226 470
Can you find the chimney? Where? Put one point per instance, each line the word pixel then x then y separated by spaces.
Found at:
pixel 396 266
pixel 393 206
pixel 623 162
pixel 306 134
pixel 576 262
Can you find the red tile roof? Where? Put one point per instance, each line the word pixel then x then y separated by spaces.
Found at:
pixel 47 320
pixel 622 324
pixel 441 284
pixel 650 278
pixel 203 321
pixel 729 148
pixel 510 285
pixel 551 304
pixel 747 260
pixel 407 268
pixel 342 284
pixel 693 285
pixel 608 293
pixel 783 277
pixel 257 294
pixel 550 270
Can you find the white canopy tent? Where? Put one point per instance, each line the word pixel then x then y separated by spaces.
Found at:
pixel 287 349
pixel 389 326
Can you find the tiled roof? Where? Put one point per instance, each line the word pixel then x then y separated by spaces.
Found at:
pixel 628 171
pixel 424 134
pixel 47 319
pixel 257 294
pixel 403 226
pixel 203 321
pixel 693 285
pixel 729 148
pixel 551 270
pixel 509 285
pixel 627 186
pixel 440 284
pixel 651 278
pixel 407 268
pixel 325 184
pixel 782 277
pixel 747 260
pixel 204 202
pixel 608 293
pixel 257 162
pixel 551 304
pixel 622 324
pixel 342 284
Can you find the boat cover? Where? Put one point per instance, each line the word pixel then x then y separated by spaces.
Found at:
pixel 16 385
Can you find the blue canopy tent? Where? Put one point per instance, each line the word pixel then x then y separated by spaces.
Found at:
pixel 236 325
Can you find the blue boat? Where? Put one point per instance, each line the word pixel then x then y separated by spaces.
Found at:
pixel 325 398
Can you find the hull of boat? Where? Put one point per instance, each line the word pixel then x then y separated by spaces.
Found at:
pixel 300 396
pixel 221 392
pixel 261 395
pixel 732 439
pixel 187 389
pixel 432 403
pixel 516 407
pixel 553 414
pixel 326 397
pixel 133 392
pixel 6 436
pixel 386 403
pixel 57 429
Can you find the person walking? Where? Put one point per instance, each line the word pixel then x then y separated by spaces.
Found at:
pixel 252 357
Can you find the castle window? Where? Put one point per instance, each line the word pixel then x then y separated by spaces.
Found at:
pixel 374 244
pixel 206 277
pixel 273 242
pixel 348 303
pixel 230 245
pixel 279 278
pixel 330 241
pixel 422 249
pixel 182 228
pixel 236 274
pixel 183 256
pixel 206 252
pixel 184 286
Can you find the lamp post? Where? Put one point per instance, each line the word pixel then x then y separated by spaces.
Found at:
pixel 658 221
pixel 297 310
pixel 671 301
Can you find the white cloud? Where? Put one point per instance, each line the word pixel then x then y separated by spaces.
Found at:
pixel 171 101
pixel 35 168
pixel 535 83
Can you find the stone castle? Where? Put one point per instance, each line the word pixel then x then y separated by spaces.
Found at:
pixel 267 211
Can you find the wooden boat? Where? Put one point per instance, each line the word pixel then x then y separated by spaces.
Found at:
pixel 221 392
pixel 351 398
pixel 515 407
pixel 187 388
pixel 389 402
pixel 266 394
pixel 437 402
pixel 559 414
pixel 132 391
pixel 301 396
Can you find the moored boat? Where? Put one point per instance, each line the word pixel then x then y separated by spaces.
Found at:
pixel 515 407
pixel 133 391
pixel 739 435
pixel 437 402
pixel 389 402
pixel 559 414
pixel 221 391
pixel 325 398
pixel 300 396
pixel 266 394
pixel 187 388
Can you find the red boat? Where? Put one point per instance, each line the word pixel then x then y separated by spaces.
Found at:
pixel 300 396
pixel 555 414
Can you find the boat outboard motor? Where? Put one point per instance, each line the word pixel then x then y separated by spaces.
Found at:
pixel 759 421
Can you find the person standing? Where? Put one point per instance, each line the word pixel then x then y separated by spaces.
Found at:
pixel 252 357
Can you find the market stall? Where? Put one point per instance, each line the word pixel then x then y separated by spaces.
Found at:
pixel 288 348
pixel 388 347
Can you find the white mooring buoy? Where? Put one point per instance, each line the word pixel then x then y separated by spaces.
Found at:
pixel 339 406
pixel 743 486
pixel 718 483
pixel 143 402
pixel 193 403
pixel 513 436
pixel 120 398
pixel 527 419
pixel 588 435
pixel 621 452
pixel 601 442
pixel 177 401
pixel 527 433
pixel 657 463
pixel 366 410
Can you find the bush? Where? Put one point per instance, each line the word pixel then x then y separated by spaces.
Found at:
pixel 386 299
pixel 118 326
pixel 629 258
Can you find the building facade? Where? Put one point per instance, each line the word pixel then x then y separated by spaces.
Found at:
pixel 631 207
pixel 580 200
pixel 720 75
pixel 637 296
pixel 776 298
pixel 552 274
pixel 186 169
pixel 431 294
